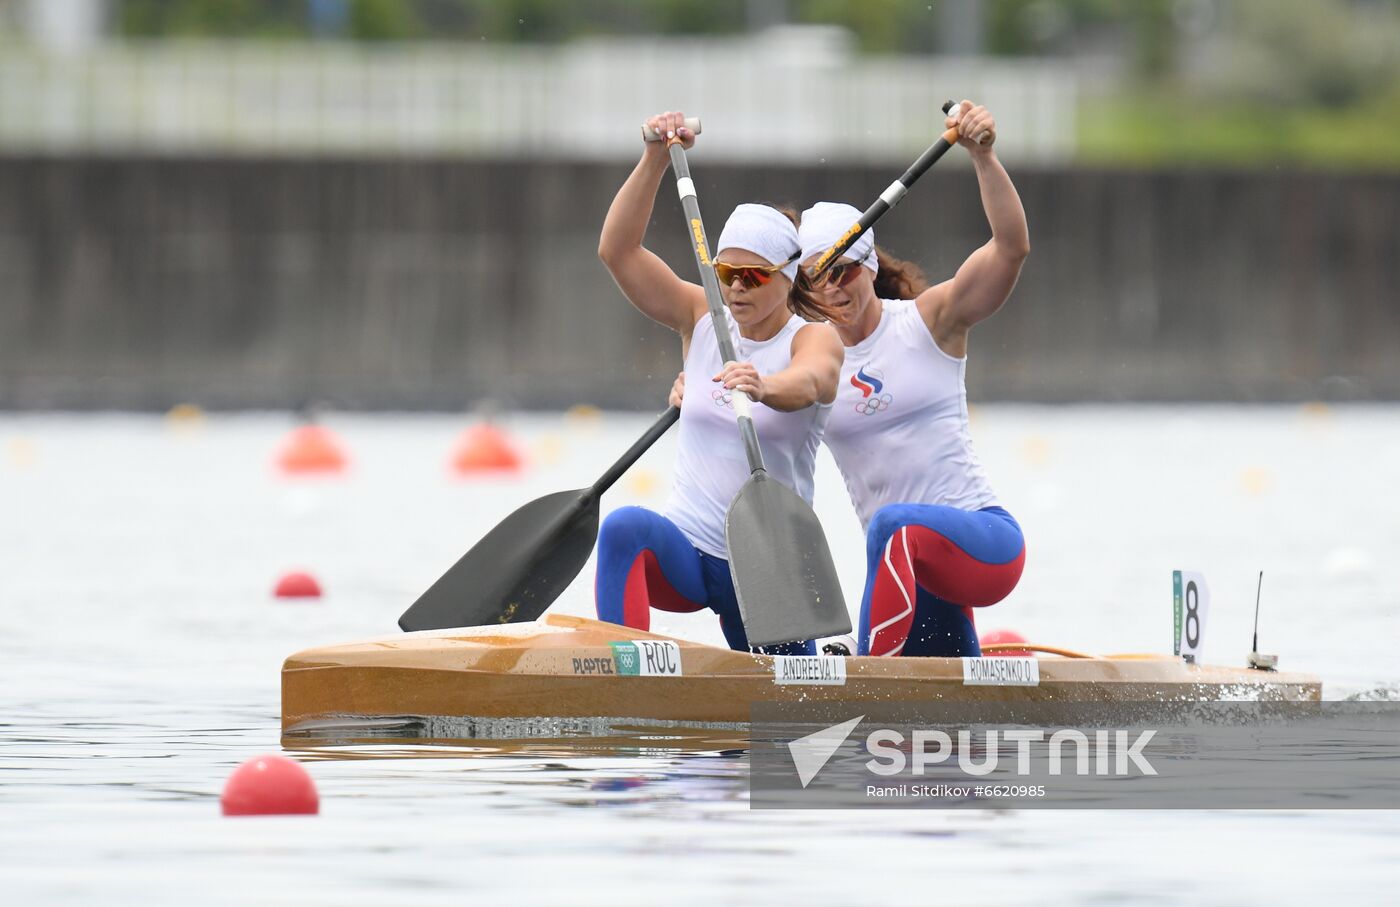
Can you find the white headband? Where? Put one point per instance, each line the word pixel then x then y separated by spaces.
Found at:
pixel 826 222
pixel 762 230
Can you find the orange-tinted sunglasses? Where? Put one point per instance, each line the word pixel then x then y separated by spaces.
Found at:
pixel 839 275
pixel 751 276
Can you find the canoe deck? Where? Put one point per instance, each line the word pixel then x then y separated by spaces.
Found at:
pixel 572 667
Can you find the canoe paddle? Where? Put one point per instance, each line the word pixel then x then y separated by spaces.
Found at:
pixel 784 577
pixel 890 197
pixel 519 568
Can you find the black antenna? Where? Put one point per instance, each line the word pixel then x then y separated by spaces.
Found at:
pixel 1257 593
pixel 1257 661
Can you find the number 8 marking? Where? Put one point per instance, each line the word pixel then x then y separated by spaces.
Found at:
pixel 1193 619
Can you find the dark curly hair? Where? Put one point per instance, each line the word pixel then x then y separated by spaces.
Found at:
pixel 898 279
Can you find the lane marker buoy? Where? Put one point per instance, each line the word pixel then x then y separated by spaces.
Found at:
pixel 484 448
pixel 1002 637
pixel 297 584
pixel 312 449
pixel 270 785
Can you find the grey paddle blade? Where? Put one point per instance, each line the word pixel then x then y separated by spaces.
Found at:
pixel 517 570
pixel 783 572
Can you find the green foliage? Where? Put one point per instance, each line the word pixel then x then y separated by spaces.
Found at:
pixel 1155 36
pixel 203 18
pixel 699 17
pixel 1227 81
pixel 1313 51
pixel 1155 130
pixel 383 20
pixel 527 21
pixel 880 26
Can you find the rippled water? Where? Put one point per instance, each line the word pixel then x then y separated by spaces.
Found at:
pixel 141 649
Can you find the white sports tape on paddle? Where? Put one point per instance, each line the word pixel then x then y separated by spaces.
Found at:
pixel 894 193
pixel 743 408
pixel 686 187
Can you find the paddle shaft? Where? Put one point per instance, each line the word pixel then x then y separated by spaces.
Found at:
pixel 614 472
pixel 701 246
pixel 521 566
pixel 888 199
pixel 624 462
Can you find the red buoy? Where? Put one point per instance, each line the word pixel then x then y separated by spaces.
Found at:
pixel 297 585
pixel 270 785
pixel 484 448
pixel 312 449
pixel 1002 637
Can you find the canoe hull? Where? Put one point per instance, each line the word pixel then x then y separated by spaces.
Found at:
pixel 570 667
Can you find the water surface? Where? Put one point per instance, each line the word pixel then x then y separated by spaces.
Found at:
pixel 141 648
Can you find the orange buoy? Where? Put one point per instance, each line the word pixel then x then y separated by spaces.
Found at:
pixel 270 785
pixel 1002 637
pixel 312 449
pixel 484 448
pixel 297 584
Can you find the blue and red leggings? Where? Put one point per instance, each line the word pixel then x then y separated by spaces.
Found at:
pixel 927 567
pixel 645 562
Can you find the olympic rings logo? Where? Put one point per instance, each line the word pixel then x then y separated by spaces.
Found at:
pixel 722 397
pixel 874 404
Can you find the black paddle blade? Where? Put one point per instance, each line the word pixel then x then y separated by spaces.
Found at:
pixel 783 572
pixel 517 570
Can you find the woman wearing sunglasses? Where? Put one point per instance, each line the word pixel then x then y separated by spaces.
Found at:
pixel 676 560
pixel 938 542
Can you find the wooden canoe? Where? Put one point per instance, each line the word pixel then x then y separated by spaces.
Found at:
pixel 569 667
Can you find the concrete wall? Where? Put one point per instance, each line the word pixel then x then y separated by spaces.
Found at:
pixel 142 282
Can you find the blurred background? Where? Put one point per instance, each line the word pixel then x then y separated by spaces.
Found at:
pixel 389 210
pixel 394 204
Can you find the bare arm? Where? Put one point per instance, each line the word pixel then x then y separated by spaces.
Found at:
pixel 646 280
pixel 810 378
pixel 984 282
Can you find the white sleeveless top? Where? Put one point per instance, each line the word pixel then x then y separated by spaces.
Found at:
pixel 710 463
pixel 899 429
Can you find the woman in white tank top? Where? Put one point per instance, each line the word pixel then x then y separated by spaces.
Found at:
pixel 938 543
pixel 676 561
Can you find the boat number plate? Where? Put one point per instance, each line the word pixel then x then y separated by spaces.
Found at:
pixel 1001 672
pixel 647 658
pixel 826 670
